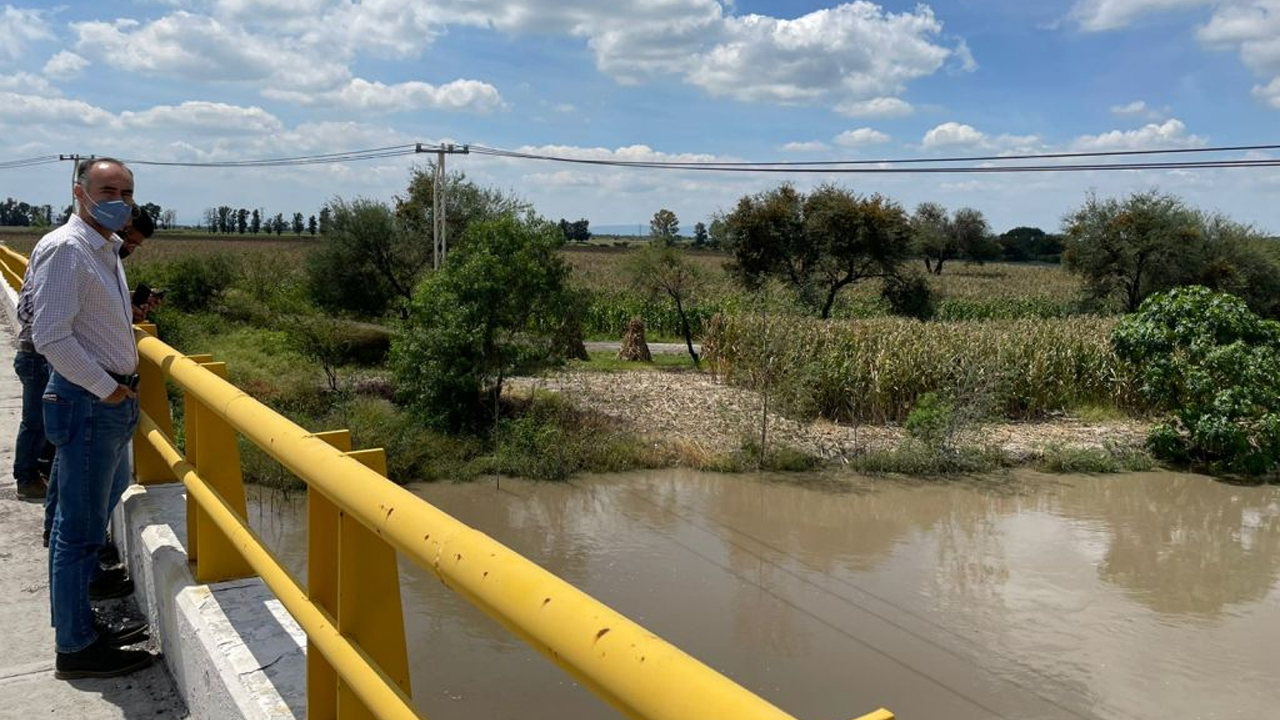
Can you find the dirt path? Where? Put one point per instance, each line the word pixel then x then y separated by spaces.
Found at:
pixel 695 408
pixel 655 348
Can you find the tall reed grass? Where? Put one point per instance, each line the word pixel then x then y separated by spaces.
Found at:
pixel 875 369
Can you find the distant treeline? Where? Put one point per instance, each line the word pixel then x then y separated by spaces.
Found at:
pixel 228 220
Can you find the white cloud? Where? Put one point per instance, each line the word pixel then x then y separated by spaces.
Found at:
pixel 197 47
pixel 1140 109
pixel 1252 29
pixel 954 135
pixel 359 94
pixel 842 56
pixel 198 116
pixel 847 53
pixel 1170 134
pixel 64 66
pixel 859 137
pixel 51 111
pixel 27 84
pixel 881 107
pixel 20 27
pixel 1269 93
pixel 1099 15
pixel 1137 107
pixel 809 146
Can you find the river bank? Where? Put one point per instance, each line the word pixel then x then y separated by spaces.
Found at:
pixel 695 409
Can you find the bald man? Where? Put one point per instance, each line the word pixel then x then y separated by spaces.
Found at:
pixel 82 324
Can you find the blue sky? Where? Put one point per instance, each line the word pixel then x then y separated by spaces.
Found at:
pixel 664 79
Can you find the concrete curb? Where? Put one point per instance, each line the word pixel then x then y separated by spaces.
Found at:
pixel 232 649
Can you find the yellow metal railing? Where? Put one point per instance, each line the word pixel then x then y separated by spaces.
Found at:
pixel 350 606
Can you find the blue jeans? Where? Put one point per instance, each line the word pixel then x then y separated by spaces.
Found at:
pixel 92 469
pixel 31 450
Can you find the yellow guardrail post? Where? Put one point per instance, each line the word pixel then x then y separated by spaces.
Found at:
pixel 218 463
pixel 191 449
pixel 153 398
pixel 369 608
pixel 352 573
pixel 322 584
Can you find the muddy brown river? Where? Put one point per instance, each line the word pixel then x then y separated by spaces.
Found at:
pixel 1149 596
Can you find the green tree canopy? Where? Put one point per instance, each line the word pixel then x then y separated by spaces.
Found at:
pixel 818 243
pixel 497 308
pixel 1129 249
pixel 664 226
pixel 1125 250
pixel 662 271
pixel 365 260
pixel 464 202
pixel 1214 365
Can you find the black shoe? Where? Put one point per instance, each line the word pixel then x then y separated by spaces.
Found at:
pixel 125 632
pixel 46 538
pixel 101 660
pixel 113 583
pixel 108 555
pixel 31 491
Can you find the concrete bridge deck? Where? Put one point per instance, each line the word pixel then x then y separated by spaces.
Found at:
pixel 27 686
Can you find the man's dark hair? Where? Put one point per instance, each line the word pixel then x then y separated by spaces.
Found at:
pixel 82 170
pixel 143 222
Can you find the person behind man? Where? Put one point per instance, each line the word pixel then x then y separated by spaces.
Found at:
pixel 32 453
pixel 82 324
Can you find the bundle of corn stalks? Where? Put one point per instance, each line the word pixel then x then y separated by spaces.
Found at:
pixel 634 348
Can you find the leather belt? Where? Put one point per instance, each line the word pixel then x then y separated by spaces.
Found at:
pixel 27 346
pixel 129 381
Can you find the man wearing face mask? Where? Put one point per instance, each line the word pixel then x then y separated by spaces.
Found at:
pixel 81 323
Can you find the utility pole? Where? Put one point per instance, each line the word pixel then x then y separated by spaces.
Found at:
pixel 439 231
pixel 75 174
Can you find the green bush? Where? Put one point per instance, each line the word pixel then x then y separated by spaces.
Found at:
pixel 910 295
pixel 495 310
pixel 913 457
pixel 931 420
pixel 1107 459
pixel 1214 365
pixel 196 283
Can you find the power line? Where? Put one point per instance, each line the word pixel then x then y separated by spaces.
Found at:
pixel 884 161
pixel 861 166
pixel 28 162
pixel 318 159
pixel 940 165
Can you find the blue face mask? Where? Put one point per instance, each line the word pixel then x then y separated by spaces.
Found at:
pixel 112 214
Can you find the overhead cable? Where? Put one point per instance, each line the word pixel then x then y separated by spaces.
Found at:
pixel 885 166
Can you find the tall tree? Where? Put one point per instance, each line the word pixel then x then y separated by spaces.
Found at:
pixel 242 220
pixel 255 221
pixel 226 218
pixel 1133 247
pixel 664 271
pixel 664 226
pixel 493 311
pixel 311 225
pixel 973 236
pixel 326 215
pixel 818 244
pixel 298 223
pixel 464 202
pixel 278 224
pixel 932 237
pixel 699 235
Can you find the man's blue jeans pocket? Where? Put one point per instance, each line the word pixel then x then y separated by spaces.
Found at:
pixel 60 417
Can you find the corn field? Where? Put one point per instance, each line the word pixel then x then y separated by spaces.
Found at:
pixel 874 370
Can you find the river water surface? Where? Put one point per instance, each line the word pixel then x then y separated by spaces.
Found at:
pixel 1149 596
